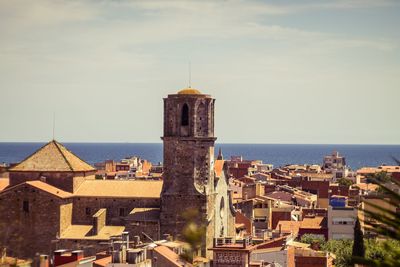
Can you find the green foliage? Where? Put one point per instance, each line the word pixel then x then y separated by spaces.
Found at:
pixel 381 253
pixel 358 245
pixel 311 238
pixel 379 177
pixel 314 240
pixel 193 233
pixel 342 249
pixel 344 182
pixel 384 251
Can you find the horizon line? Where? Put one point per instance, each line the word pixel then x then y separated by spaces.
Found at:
pixel 217 143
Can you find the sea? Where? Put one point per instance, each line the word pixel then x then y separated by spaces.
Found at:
pixel 357 156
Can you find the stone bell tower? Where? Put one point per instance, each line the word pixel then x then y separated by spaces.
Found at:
pixel 188 162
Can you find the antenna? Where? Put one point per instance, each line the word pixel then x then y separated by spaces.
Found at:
pixel 54 123
pixel 190 75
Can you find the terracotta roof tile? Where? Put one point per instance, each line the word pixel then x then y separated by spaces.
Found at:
pixel 50 189
pixel 102 262
pixel 44 187
pixel 289 227
pixel 365 186
pixel 83 232
pixel 312 223
pixel 218 167
pixel 52 157
pixel 4 182
pixel 171 256
pixel 120 189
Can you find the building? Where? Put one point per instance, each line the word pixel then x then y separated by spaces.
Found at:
pixel 336 164
pixel 53 200
pixel 193 179
pixel 230 252
pixel 341 222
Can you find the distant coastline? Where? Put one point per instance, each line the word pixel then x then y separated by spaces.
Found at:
pixel 357 155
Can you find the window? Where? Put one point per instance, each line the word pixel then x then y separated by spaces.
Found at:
pixel 88 211
pixel 185 115
pixel 25 206
pixel 122 212
pixel 343 221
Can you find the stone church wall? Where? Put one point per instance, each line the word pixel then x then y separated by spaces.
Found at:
pixel 117 208
pixel 27 229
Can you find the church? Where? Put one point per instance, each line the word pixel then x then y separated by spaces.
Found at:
pixel 53 200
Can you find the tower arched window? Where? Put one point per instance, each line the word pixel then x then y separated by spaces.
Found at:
pixel 185 115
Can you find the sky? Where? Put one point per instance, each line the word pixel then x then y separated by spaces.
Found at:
pixel 324 72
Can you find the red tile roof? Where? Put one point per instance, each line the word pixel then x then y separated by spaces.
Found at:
pixel 218 167
pixel 4 182
pixel 44 187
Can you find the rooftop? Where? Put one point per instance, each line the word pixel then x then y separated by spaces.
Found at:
pixel 189 91
pixel 44 187
pixel 4 182
pixel 83 232
pixel 53 157
pixel 120 189
pixel 171 256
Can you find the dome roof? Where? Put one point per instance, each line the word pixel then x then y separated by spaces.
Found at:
pixel 189 91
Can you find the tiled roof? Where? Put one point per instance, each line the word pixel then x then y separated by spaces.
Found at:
pixel 171 256
pixel 312 223
pixel 289 227
pixel 365 186
pixel 4 182
pixel 50 189
pixel 218 167
pixel 52 157
pixel 286 196
pixel 83 232
pixel 102 262
pixel 120 189
pixel 44 187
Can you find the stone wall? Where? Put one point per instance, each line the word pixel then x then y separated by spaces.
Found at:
pixel 67 181
pixel 27 229
pixel 151 229
pixel 99 221
pixel 65 216
pixel 86 207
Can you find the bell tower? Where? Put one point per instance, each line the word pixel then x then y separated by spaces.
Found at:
pixel 188 162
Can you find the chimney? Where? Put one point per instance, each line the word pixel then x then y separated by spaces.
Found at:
pixel 136 241
pixel 98 221
pixel 62 256
pixel 43 261
pixel 125 238
pixel 77 254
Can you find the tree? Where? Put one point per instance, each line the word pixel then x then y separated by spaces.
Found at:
pixel 380 177
pixel 342 250
pixel 193 233
pixel 358 244
pixel 316 241
pixel 385 223
pixel 344 182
